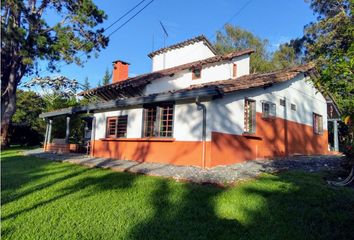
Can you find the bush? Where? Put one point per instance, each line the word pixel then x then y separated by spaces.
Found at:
pixel 24 135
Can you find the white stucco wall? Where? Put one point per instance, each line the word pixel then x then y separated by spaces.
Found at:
pixel 227 113
pixel 210 73
pixel 179 56
pixel 187 124
pixel 135 118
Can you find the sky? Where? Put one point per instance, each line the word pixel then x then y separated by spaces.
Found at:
pixel 276 20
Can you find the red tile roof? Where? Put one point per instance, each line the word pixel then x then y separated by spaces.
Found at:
pixel 258 80
pixel 183 44
pixel 146 78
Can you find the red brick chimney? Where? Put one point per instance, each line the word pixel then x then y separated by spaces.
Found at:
pixel 120 71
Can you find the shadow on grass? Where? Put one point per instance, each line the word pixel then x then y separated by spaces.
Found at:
pixel 292 205
pixel 274 207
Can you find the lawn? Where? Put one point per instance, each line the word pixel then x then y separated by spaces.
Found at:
pixel 48 200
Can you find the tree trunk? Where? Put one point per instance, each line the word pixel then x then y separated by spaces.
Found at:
pixel 8 102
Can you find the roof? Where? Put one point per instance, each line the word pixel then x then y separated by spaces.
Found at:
pixel 183 44
pixel 207 90
pixel 134 85
pixel 186 94
pixel 257 80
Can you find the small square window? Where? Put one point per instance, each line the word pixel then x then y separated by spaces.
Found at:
pixel 196 73
pixel 234 70
pixel 268 110
pixel 282 102
pixel 293 107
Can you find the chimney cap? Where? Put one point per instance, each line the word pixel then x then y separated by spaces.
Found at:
pixel 121 62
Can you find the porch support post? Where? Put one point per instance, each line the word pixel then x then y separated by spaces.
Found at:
pixel 67 133
pixel 49 131
pixel 46 137
pixel 335 135
pixel 92 140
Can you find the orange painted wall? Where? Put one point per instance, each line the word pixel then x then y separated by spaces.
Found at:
pixel 171 152
pixel 273 137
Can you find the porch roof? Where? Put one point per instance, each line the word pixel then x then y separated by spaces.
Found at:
pixel 187 94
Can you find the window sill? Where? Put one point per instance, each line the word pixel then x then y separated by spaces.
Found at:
pixel 252 136
pixel 152 139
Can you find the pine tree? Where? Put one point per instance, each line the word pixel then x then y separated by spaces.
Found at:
pixel 86 86
pixel 107 77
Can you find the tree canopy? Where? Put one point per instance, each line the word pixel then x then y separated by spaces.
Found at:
pixel 329 43
pixel 28 37
pixel 234 38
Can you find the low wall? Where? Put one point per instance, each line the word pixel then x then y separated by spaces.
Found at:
pixel 61 148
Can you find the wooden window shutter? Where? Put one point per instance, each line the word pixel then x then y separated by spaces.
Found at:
pixel 122 126
pixel 234 70
pixel 111 127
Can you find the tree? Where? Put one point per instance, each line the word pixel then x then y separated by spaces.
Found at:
pixel 235 38
pixel 86 86
pixel 27 37
pixel 26 128
pixel 87 100
pixel 285 56
pixel 329 43
pixel 29 106
pixel 107 77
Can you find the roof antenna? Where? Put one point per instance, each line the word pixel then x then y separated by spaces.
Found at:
pixel 164 43
pixel 153 42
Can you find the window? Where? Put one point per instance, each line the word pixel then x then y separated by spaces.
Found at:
pixel 196 73
pixel 282 102
pixel 317 123
pixel 234 70
pixel 293 107
pixel 250 116
pixel 122 126
pixel 268 110
pixel 111 127
pixel 158 121
pixel 117 126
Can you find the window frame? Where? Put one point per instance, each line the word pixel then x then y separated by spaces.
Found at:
pixel 253 117
pixel 272 111
pixel 282 102
pixel 293 107
pixel 194 77
pixel 158 121
pixel 234 70
pixel 317 126
pixel 116 118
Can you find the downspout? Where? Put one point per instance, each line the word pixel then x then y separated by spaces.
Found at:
pixel 202 107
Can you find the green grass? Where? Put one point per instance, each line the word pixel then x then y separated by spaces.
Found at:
pixel 48 200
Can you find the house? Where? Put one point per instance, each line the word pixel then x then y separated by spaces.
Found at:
pixel 203 109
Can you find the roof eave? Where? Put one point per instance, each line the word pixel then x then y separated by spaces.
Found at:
pixel 202 93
